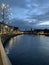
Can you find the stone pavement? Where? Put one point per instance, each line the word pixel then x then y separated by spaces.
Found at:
pixel 0 60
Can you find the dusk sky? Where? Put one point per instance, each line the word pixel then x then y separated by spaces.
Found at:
pixel 32 12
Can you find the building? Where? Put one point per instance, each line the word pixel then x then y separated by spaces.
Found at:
pixel 4 28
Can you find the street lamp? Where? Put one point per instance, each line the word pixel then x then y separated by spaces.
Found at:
pixel 3 6
pixel 4 15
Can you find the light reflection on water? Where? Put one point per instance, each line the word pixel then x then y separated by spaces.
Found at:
pixel 9 45
pixel 28 50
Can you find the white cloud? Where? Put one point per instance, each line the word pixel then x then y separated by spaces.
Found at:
pixel 43 23
pixel 32 10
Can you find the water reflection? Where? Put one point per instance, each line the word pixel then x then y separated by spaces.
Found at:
pixel 29 50
pixel 44 45
pixel 11 43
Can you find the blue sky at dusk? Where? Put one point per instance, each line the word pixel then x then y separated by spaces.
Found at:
pixel 33 13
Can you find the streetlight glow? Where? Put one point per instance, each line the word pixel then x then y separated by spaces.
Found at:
pixel 3 6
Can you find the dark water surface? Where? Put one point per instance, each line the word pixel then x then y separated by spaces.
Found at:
pixel 28 50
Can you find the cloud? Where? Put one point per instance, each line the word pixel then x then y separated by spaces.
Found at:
pixel 43 23
pixel 32 11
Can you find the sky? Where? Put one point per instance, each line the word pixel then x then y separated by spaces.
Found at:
pixel 33 12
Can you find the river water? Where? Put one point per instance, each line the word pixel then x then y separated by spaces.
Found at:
pixel 28 50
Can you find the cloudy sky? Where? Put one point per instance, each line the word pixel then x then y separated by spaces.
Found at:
pixel 34 12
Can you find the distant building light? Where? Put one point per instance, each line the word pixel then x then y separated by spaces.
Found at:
pixel 6 26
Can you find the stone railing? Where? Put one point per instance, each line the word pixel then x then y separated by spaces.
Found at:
pixel 4 57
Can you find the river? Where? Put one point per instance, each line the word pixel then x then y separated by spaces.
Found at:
pixel 28 50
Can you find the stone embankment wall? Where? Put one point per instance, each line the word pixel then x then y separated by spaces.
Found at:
pixel 4 57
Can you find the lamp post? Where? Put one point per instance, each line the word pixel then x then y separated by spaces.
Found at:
pixel 3 6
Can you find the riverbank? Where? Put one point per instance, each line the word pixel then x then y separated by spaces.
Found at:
pixel 4 60
pixel 5 37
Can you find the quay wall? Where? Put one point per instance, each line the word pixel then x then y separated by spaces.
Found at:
pixel 3 39
pixel 7 37
pixel 4 57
